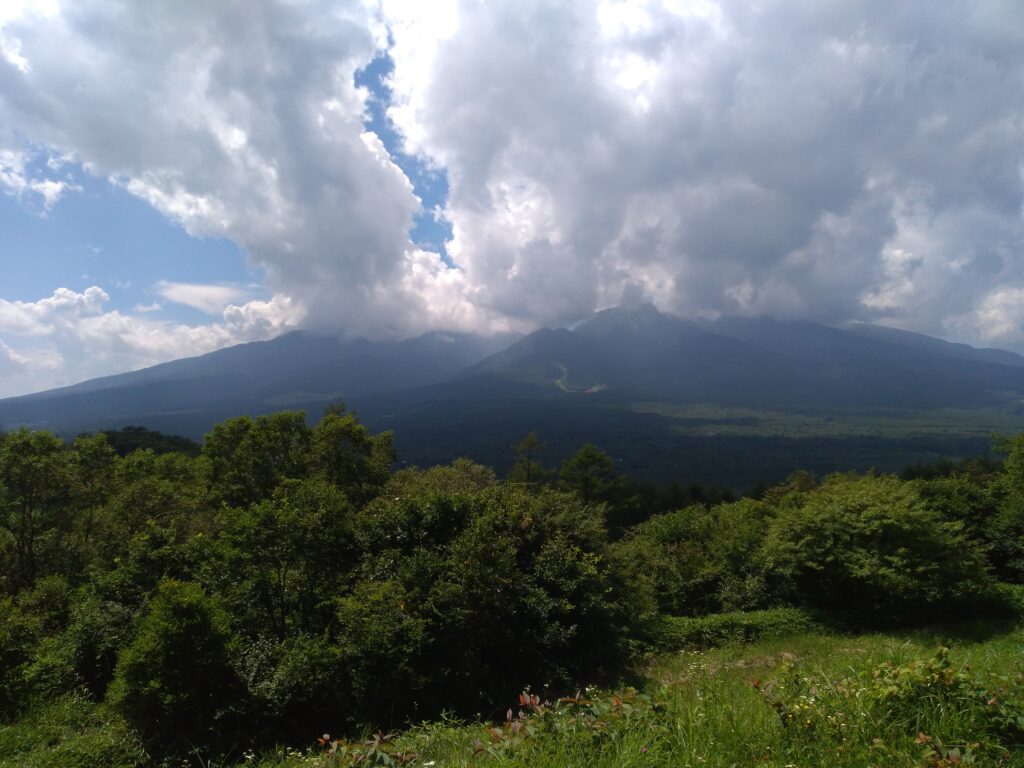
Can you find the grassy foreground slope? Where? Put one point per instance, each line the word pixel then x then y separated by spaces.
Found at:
pixel 934 697
pixel 939 697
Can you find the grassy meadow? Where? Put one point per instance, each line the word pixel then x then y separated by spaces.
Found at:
pixel 810 699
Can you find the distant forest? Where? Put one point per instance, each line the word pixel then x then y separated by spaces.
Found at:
pixel 208 599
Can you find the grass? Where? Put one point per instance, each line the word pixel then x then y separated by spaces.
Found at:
pixel 70 732
pixel 794 698
pixel 708 420
pixel 808 699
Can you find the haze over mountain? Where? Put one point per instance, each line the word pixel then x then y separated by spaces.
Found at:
pixel 614 378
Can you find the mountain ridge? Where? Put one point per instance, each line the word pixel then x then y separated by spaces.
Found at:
pixel 634 380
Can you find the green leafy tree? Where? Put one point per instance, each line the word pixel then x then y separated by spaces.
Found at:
pixel 280 560
pixel 590 474
pixel 1013 467
pixel 249 457
pixel 344 453
pixel 175 682
pixel 872 543
pixel 697 560
pixel 1004 530
pixel 527 469
pixel 93 464
pixel 35 489
pixel 523 593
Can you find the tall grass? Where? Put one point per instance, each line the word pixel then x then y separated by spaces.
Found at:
pixel 804 700
pixel 932 698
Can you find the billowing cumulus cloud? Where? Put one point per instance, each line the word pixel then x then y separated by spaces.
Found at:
pixel 830 161
pixel 787 158
pixel 239 120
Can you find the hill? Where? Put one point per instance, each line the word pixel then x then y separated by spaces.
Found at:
pixel 736 399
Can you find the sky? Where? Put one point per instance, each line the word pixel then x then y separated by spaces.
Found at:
pixel 178 176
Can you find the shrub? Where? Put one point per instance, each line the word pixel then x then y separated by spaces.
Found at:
pixel 871 543
pixel 697 561
pixel 675 632
pixel 175 682
pixel 1005 533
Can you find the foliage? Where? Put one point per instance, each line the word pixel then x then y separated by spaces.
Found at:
pixel 288 579
pixel 175 682
pixel 675 632
pixel 278 560
pixel 527 469
pixel 35 488
pixel 698 560
pixel 871 542
pixel 590 474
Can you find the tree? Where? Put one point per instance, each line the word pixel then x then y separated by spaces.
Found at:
pixel 590 474
pixel 344 453
pixel 872 542
pixel 1014 464
pixel 249 457
pixel 697 560
pixel 280 559
pixel 35 485
pixel 94 462
pixel 527 469
pixel 175 682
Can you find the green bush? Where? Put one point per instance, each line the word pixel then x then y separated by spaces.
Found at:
pixel 175 682
pixel 871 543
pixel 675 632
pixel 697 561
pixel 70 732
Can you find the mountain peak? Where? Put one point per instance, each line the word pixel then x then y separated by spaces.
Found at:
pixel 639 318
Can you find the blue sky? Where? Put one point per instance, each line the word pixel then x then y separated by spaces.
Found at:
pixel 431 231
pixel 102 235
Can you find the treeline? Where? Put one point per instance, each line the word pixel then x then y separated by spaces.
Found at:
pixel 286 580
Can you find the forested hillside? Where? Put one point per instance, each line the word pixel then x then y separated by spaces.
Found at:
pixel 288 581
pixel 731 403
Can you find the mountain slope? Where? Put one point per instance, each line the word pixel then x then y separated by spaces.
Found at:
pixel 729 401
pixel 288 371
pixel 641 353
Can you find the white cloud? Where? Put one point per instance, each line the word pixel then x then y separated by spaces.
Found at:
pixel 828 161
pixel 16 179
pixel 71 336
pixel 999 319
pixel 801 159
pixel 238 120
pixel 211 299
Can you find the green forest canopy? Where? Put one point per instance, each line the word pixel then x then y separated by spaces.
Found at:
pixel 287 573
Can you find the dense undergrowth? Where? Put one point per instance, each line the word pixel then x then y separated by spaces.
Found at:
pixel 926 698
pixel 175 609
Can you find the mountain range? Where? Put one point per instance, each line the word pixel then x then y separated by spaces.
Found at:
pixel 638 382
